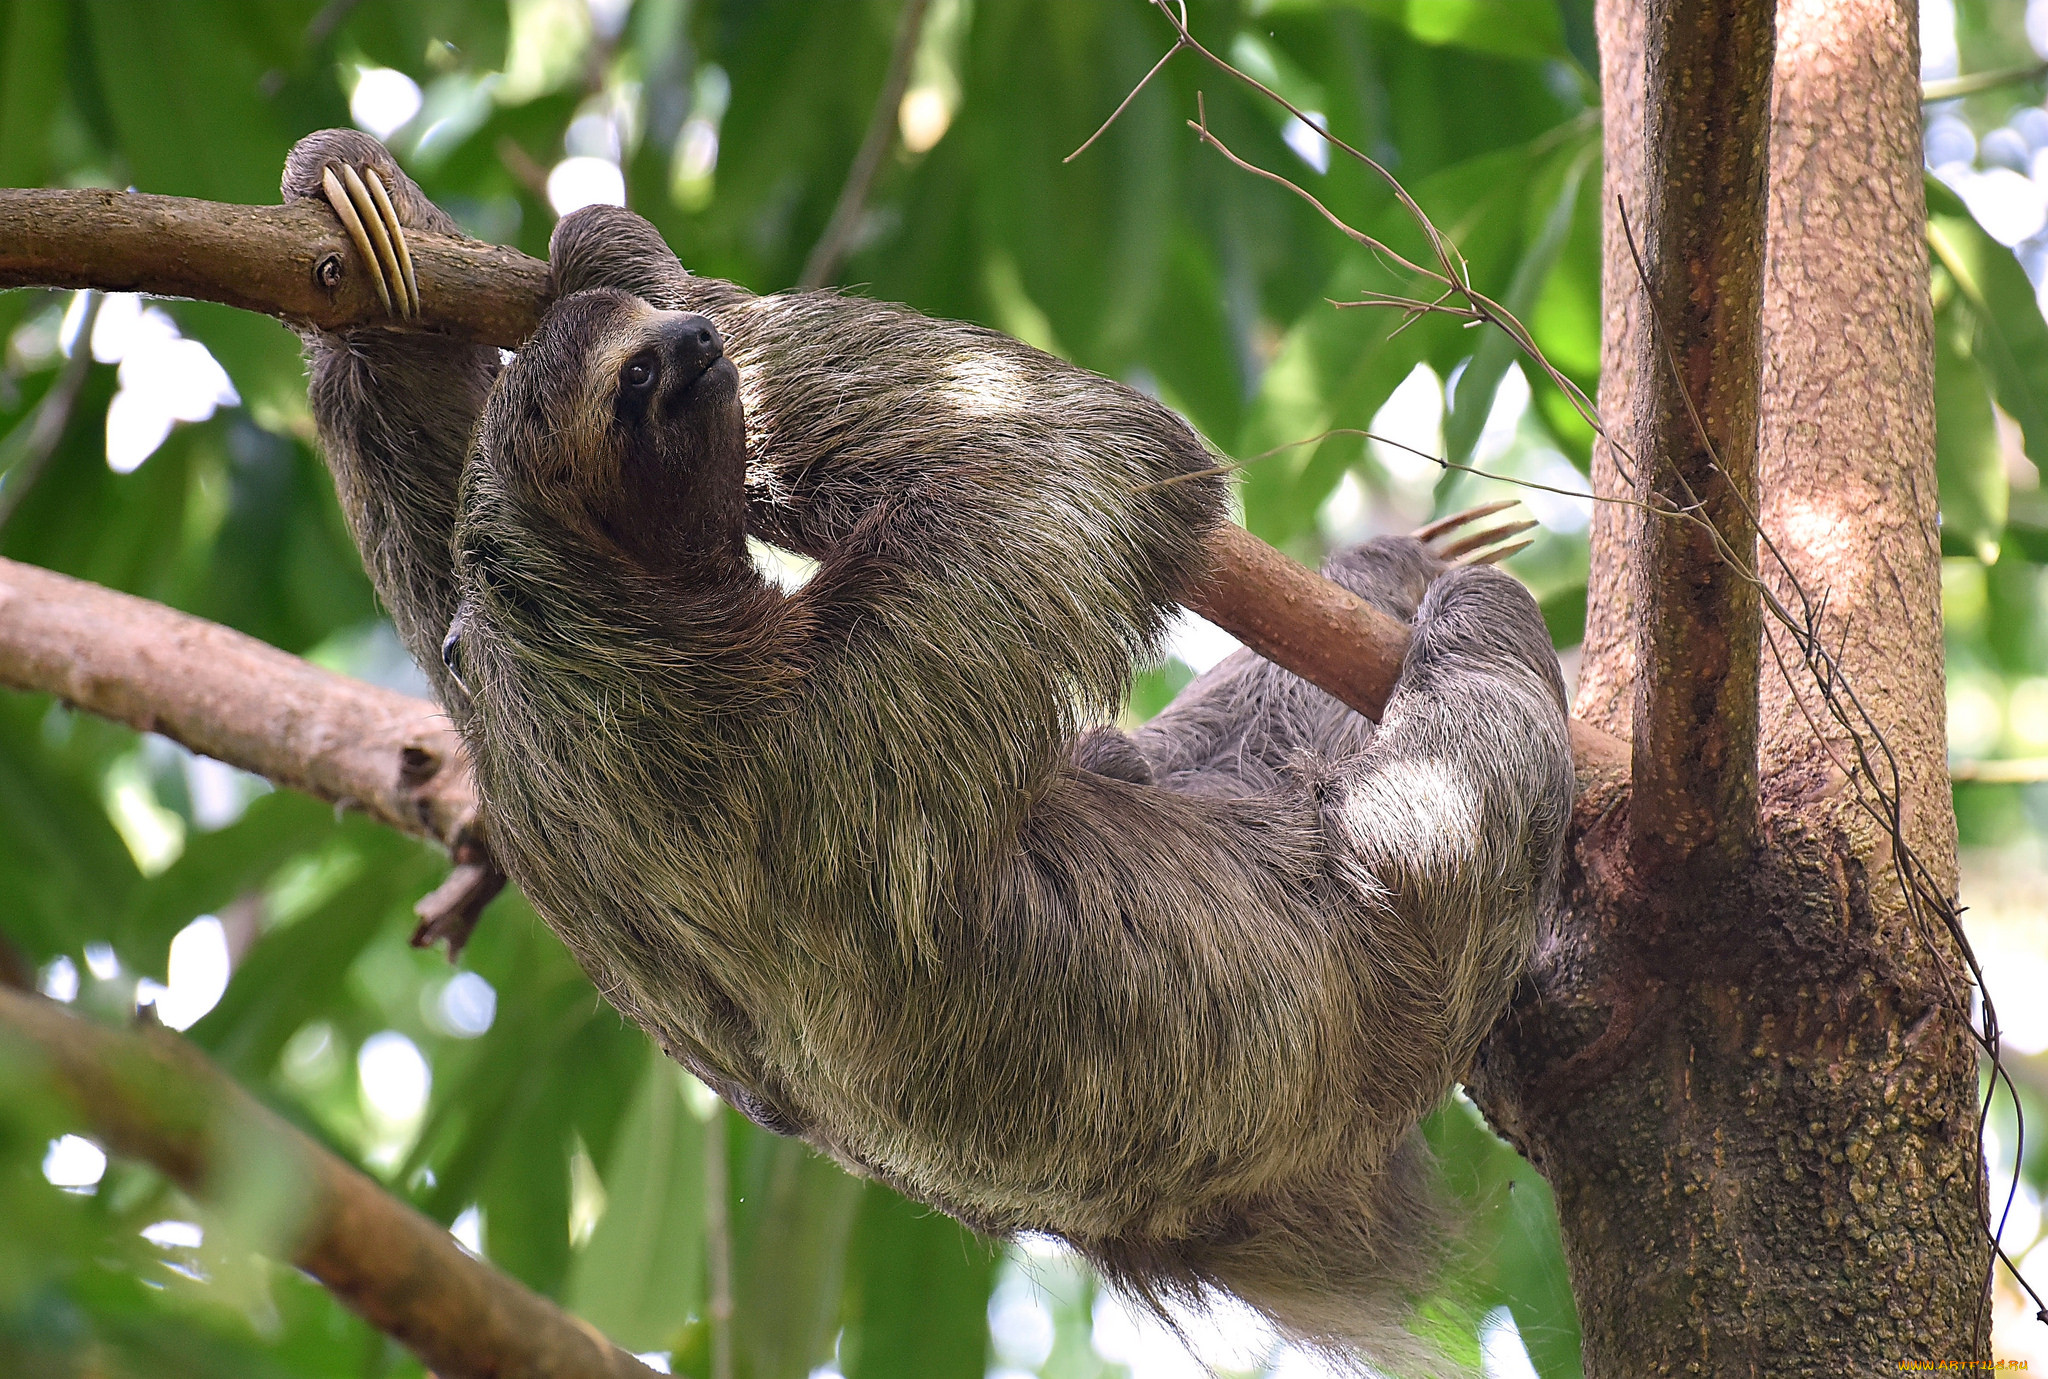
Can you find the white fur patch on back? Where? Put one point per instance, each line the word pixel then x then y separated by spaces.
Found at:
pixel 984 384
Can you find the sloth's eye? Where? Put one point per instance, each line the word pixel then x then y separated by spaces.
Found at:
pixel 641 373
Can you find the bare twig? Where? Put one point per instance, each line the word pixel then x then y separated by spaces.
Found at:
pixel 833 245
pixel 148 1095
pixel 1451 274
pixel 332 16
pixel 1969 84
pixel 1449 278
pixel 28 449
pixel 525 169
pixel 1143 82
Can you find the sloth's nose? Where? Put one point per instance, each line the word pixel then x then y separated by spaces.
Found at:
pixel 691 344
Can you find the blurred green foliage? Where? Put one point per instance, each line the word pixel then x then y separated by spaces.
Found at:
pixel 548 1131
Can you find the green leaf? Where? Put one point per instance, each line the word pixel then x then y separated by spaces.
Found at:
pixel 1564 614
pixel 1974 492
pixel 1505 28
pixel 126 531
pixel 64 870
pixel 32 44
pixel 216 868
pixel 917 1293
pixel 641 1276
pixel 1565 172
pixel 184 86
pixel 296 972
pixel 792 1215
pixel 2010 338
pixel 1508 1251
pixel 483 1085
pixel 525 1190
pixel 282 567
pixel 525 1198
pixel 803 82
pixel 408 34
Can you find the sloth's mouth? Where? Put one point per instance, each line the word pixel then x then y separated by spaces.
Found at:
pixel 716 380
pixel 721 372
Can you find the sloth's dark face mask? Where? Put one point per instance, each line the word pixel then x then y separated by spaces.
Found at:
pixel 625 423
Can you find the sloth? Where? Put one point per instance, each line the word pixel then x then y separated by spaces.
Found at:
pixel 864 854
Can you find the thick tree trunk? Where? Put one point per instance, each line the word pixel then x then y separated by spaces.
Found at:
pixel 1755 1094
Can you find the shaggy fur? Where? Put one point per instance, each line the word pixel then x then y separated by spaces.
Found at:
pixel 851 854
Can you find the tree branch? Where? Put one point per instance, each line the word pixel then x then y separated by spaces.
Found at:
pixel 235 699
pixel 294 263
pixel 147 1094
pixel 1699 621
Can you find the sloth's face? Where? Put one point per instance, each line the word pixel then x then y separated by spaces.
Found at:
pixel 661 369
pixel 624 422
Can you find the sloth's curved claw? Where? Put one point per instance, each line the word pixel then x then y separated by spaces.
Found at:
pixel 365 210
pixel 390 216
pixel 353 223
pixel 374 218
pixel 1444 525
pixel 1496 556
pixel 1471 545
pixel 1448 543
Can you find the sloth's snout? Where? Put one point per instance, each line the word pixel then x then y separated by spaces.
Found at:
pixel 689 345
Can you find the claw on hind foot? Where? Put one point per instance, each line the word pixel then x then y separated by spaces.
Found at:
pixel 1444 525
pixel 1471 547
pixel 364 207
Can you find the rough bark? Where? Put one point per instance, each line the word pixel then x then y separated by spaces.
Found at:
pixel 149 1095
pixel 1848 440
pixel 1606 692
pixel 1759 1118
pixel 1700 227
